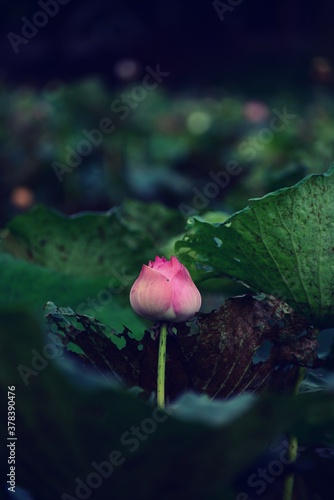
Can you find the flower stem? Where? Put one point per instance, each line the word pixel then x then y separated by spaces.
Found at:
pixel 293 446
pixel 162 366
pixel 289 480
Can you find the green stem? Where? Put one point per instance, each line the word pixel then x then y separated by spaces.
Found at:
pixel 162 366
pixel 290 478
pixel 293 447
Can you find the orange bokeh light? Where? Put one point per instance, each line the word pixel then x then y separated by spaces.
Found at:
pixel 22 197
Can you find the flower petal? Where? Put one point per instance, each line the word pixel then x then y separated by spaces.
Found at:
pixel 151 295
pixel 168 268
pixel 156 262
pixel 186 300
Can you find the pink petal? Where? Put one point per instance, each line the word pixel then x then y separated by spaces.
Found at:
pixel 151 295
pixel 168 268
pixel 156 262
pixel 186 298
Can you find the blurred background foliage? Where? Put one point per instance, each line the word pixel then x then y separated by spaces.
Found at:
pixel 227 73
pixel 163 150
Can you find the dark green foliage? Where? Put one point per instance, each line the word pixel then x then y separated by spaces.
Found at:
pixel 281 244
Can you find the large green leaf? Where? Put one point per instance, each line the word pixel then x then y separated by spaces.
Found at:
pixel 64 426
pixel 114 244
pixel 281 244
pixel 30 285
pixel 87 262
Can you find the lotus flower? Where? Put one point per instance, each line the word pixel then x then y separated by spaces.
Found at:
pixel 164 291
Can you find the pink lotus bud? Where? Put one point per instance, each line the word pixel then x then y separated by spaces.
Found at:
pixel 164 291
